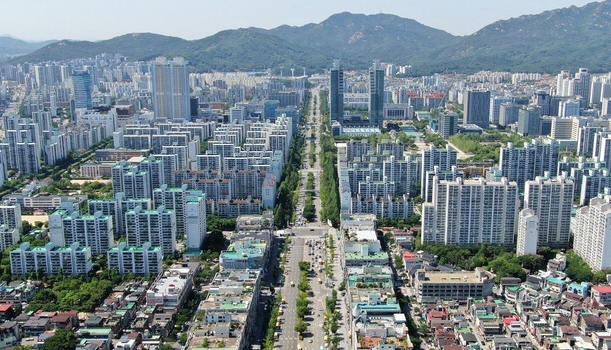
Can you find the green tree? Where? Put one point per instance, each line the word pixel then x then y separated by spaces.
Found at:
pixel 62 340
pixel 301 326
pixel 26 227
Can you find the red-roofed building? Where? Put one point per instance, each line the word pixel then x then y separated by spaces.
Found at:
pixel 6 312
pixel 511 318
pixel 453 347
pixel 441 315
pixel 602 294
pixel 65 320
pixel 370 342
pixel 410 260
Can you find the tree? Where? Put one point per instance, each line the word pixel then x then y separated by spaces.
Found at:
pixel 62 340
pixel 301 326
pixel 26 227
pixel 532 262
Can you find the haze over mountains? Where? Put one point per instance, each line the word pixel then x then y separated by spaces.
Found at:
pixel 553 40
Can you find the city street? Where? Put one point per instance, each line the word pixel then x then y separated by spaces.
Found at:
pixel 308 244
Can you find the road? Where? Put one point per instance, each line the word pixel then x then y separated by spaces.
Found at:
pixel 308 244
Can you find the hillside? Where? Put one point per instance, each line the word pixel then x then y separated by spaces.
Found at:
pixel 358 39
pixel 13 46
pixel 548 42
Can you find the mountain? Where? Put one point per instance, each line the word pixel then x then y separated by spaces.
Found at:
pixel 246 49
pixel 550 41
pixel 10 46
pixel 137 46
pixel 553 40
pixel 358 39
pixel 243 49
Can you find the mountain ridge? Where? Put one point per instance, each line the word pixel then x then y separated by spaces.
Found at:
pixel 552 40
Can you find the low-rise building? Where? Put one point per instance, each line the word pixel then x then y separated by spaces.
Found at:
pixel 172 288
pixel 432 286
pixel 231 310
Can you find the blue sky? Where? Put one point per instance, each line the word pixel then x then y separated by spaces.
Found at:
pixel 195 19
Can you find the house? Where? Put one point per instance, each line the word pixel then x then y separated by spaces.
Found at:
pixel 10 334
pixel 36 325
pixel 7 312
pixel 65 320
pixel 602 294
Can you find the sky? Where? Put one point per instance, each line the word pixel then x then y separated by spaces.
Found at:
pixel 36 20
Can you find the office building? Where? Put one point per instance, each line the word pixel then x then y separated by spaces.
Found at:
pixel 582 84
pixel 72 260
pixel 81 90
pixel 569 108
pixel 477 108
pixel 528 232
pixel 543 101
pixel 157 226
pixel 376 95
pixel 448 124
pixel 145 260
pixel 529 121
pixel 552 200
pixel 95 231
pixel 170 82
pixel 495 108
pixel 592 233
pixel 471 212
pixel 336 92
pixel 508 113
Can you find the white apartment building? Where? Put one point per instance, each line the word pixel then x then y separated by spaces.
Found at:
pixel 96 231
pixel 10 215
pixel 157 226
pixel 592 231
pixel 195 220
pixel 145 260
pixel 73 260
pixel 552 200
pixel 8 237
pixel 468 212
pixel 521 164
pixel 528 232
pixel 444 158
